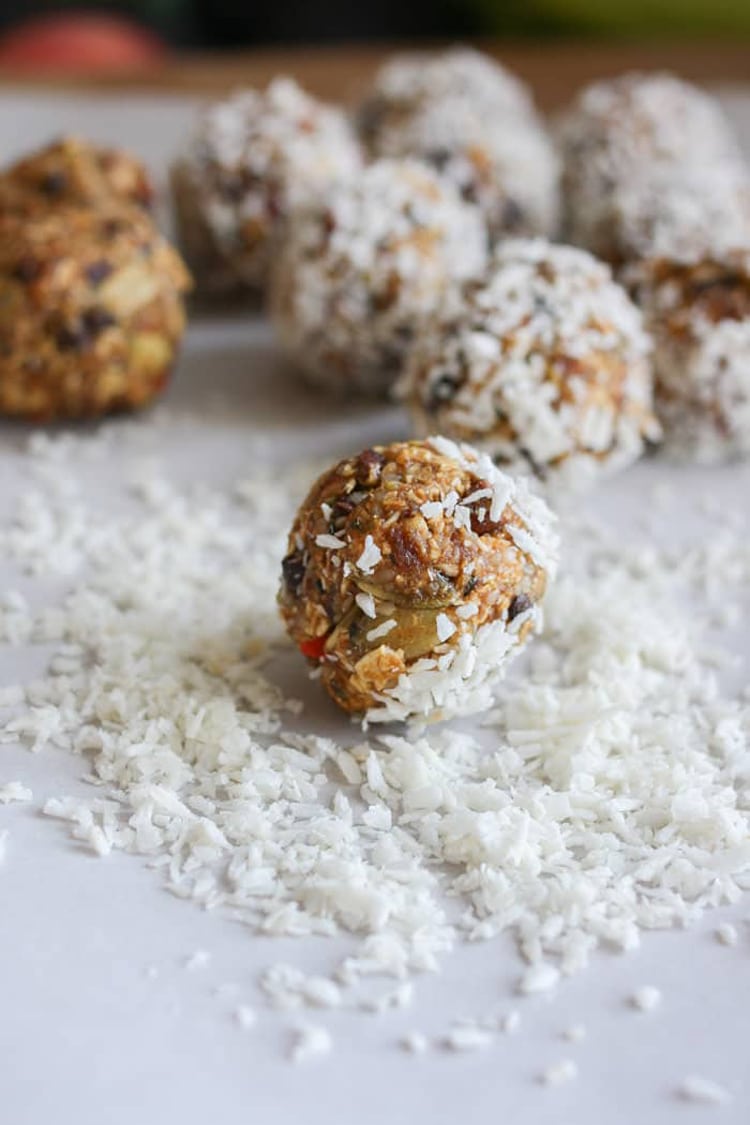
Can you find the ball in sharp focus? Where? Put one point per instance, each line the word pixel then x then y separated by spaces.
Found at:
pixel 250 161
pixel 544 364
pixel 91 312
pixel 414 572
pixel 475 123
pixel 699 316
pixel 361 272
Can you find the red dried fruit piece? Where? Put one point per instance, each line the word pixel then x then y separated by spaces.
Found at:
pixel 314 648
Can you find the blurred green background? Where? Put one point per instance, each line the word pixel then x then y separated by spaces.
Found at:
pixel 236 23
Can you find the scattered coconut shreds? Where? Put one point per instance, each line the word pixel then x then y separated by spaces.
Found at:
pixel 559 1073
pixel 400 997
pixel 726 934
pixel 694 1088
pixel 288 987
pixel 245 1016
pixel 606 793
pixel 310 1042
pixel 646 999
pixel 576 1033
pixel 14 791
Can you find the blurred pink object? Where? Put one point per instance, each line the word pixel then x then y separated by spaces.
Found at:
pixel 79 42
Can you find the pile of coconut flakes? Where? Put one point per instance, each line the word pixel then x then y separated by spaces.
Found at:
pixel 607 793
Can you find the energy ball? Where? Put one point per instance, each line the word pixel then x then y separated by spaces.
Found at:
pixel 685 216
pixel 699 315
pixel 475 124
pixel 91 312
pixel 621 137
pixel 72 172
pixel 543 364
pixel 251 160
pixel 414 572
pixel 359 273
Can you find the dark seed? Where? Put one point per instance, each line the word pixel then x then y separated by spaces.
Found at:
pixel 95 320
pixel 71 336
pixel 470 586
pixel 537 469
pixel 293 571
pixel 28 269
pixel 439 157
pixel 512 216
pixel 369 467
pixel 54 183
pixel 112 227
pixel 442 391
pixel 343 507
pixel 98 271
pixel 519 604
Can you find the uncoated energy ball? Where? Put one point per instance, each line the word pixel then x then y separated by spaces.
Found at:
pixel 414 572
pixel 543 364
pixel 627 145
pixel 699 315
pixel 251 160
pixel 91 312
pixel 360 273
pixel 72 172
pixel 475 123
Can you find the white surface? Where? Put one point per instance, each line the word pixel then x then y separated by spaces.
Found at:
pixel 100 1021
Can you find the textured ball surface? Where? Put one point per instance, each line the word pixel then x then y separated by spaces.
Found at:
pixel 628 144
pixel 475 123
pixel 91 312
pixel 72 172
pixel 543 364
pixel 360 272
pixel 699 315
pixel 414 572
pixel 251 160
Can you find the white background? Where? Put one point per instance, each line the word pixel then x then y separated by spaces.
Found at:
pixel 88 1033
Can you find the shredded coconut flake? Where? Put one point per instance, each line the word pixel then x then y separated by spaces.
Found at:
pixel 245 1016
pixel 382 630
pixel 646 999
pixel 310 1042
pixel 366 603
pixel 332 542
pixel 559 1073
pixel 14 791
pixel 468 1038
pixel 704 1091
pixel 726 934
pixel 370 557
pixel 542 977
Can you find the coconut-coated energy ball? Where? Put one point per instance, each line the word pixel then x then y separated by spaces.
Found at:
pixel 543 364
pixel 699 316
pixel 250 161
pixel 475 124
pixel 623 136
pixel 414 572
pixel 91 312
pixel 684 215
pixel 360 272
pixel 72 172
